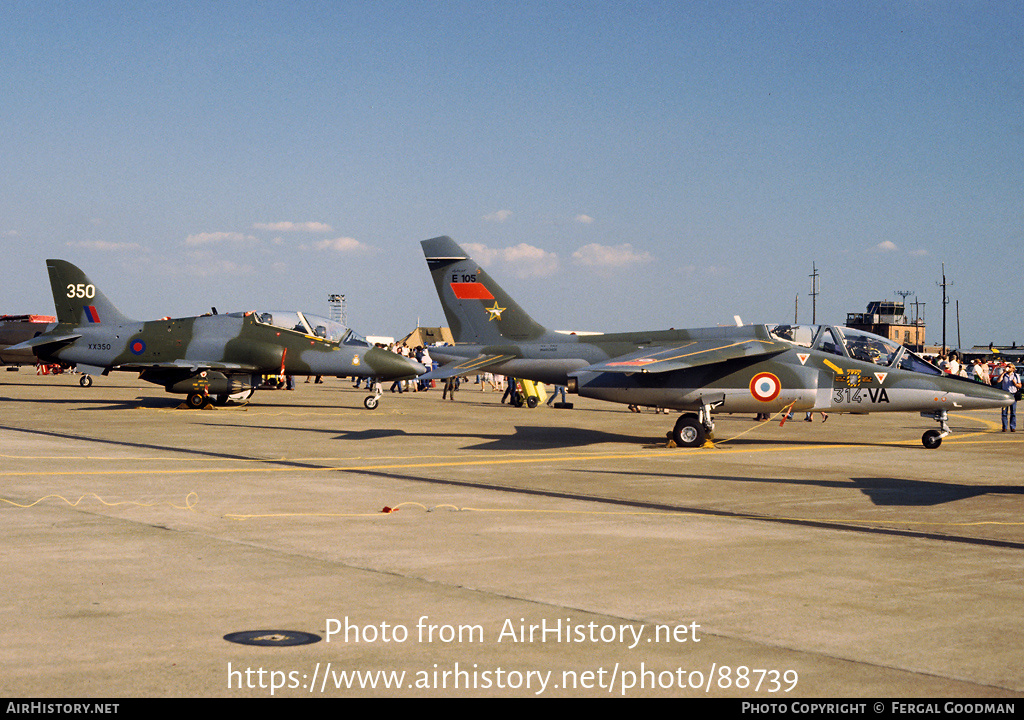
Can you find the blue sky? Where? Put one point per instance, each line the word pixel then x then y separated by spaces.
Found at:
pixel 615 165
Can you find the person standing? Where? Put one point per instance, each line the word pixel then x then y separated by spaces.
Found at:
pixel 1006 378
pixel 554 394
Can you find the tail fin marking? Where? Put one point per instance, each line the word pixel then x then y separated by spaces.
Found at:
pixel 77 300
pixel 478 310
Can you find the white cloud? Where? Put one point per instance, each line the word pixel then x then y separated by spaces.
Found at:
pixel 584 219
pixel 919 253
pixel 482 254
pixel 499 216
pixel 220 267
pixel 312 227
pixel 210 263
pixel 610 256
pixel 103 245
pixel 341 244
pixel 218 237
pixel 525 260
pixel 886 246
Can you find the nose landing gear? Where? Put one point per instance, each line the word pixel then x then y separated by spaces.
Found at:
pixel 933 438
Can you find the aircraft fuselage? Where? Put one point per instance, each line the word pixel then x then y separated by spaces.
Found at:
pixel 802 378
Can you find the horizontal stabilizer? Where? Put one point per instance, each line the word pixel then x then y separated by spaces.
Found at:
pixel 685 356
pixel 41 341
pixel 466 367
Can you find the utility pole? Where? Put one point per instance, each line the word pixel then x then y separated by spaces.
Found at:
pixel 814 293
pixel 945 302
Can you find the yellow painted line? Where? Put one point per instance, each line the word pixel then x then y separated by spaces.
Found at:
pixel 663 453
pixel 867 523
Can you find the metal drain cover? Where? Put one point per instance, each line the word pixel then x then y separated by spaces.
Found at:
pixel 272 638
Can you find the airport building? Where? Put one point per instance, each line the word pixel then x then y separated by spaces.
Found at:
pixel 889 319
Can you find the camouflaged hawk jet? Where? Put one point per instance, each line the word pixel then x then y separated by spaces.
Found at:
pixel 218 356
pixel 743 369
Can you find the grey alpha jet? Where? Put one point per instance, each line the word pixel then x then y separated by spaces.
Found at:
pixel 742 369
pixel 219 356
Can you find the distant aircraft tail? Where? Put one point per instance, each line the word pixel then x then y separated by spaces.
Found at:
pixel 477 309
pixel 77 299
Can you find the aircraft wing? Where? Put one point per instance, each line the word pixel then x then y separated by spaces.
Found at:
pixel 465 367
pixel 687 355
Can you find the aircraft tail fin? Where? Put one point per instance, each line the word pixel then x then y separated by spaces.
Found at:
pixel 477 309
pixel 77 299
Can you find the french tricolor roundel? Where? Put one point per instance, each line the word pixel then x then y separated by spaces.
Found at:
pixel 765 387
pixel 137 347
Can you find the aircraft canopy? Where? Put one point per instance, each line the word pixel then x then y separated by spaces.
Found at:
pixel 857 344
pixel 309 324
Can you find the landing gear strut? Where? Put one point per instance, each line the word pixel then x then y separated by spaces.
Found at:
pixel 371 401
pixel 933 438
pixel 692 430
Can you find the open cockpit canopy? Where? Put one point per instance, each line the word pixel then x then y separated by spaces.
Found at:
pixel 856 344
pixel 312 325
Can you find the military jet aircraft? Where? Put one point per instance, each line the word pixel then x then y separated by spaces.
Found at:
pixel 742 369
pixel 222 356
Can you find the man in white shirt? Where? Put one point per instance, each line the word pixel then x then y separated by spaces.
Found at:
pixel 1006 378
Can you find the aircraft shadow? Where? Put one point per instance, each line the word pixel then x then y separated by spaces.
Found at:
pixel 524 437
pixel 884 492
pixel 95 403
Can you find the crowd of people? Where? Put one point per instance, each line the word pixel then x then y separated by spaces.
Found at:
pixel 995 371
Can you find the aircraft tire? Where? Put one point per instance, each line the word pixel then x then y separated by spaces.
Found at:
pixel 85 381
pixel 196 400
pixel 931 439
pixel 371 402
pixel 688 432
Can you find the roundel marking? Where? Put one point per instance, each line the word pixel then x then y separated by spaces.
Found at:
pixel 137 347
pixel 765 387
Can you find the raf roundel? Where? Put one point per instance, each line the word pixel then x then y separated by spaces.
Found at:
pixel 137 347
pixel 765 387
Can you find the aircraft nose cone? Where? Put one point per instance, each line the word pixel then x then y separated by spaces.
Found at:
pixel 983 396
pixel 387 364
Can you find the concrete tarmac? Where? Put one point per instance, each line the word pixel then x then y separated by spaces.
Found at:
pixel 544 552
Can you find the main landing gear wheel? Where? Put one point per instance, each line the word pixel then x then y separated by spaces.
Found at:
pixel 689 432
pixel 931 439
pixel 85 381
pixel 196 400
pixel 371 402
